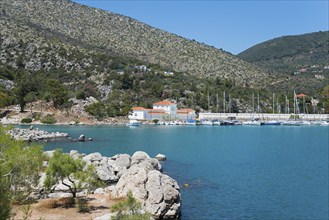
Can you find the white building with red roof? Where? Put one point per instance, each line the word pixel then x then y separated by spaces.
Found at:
pixel 169 107
pixel 163 110
pixel 138 113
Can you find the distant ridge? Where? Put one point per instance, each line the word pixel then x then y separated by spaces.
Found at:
pixel 288 53
pixel 64 25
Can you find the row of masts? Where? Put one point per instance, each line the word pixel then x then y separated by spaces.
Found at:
pixel 224 103
pixel 275 103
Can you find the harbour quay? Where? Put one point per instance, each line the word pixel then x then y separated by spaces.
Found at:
pixel 265 116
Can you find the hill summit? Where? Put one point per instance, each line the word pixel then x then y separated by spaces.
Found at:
pixel 49 30
pixel 287 54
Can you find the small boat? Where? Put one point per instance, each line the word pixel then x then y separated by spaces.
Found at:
pixel 236 122
pixel 227 123
pixel 253 122
pixel 324 123
pixel 272 123
pixel 191 122
pixel 291 123
pixel 215 122
pixel 206 122
pixel 305 123
pixel 134 123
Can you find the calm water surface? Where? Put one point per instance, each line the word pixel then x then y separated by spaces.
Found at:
pixel 233 172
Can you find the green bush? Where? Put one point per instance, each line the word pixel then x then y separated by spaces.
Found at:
pixel 129 209
pixel 81 205
pixel 36 116
pixel 26 120
pixel 49 119
pixel 98 110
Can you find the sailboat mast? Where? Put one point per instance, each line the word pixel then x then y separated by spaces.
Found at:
pixel 217 103
pixel 278 105
pixel 224 100
pixel 208 103
pixel 258 106
pixel 229 103
pixel 273 101
pixel 294 105
pixel 253 103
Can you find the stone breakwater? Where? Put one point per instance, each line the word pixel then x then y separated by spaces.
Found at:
pixel 158 193
pixel 35 134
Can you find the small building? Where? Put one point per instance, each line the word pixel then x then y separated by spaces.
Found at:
pixel 140 69
pixel 319 76
pixel 169 107
pixel 185 114
pixel 120 72
pixel 138 113
pixel 163 110
pixel 300 96
pixel 166 73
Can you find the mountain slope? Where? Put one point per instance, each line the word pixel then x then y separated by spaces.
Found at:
pixel 287 54
pixel 57 27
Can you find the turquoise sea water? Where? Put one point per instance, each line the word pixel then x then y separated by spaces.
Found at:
pixel 233 172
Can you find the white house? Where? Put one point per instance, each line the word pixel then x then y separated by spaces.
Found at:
pixel 169 107
pixel 164 110
pixel 138 113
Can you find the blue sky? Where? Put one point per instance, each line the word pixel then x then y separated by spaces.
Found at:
pixel 231 25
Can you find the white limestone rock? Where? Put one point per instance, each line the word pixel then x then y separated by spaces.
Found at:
pixel 161 157
pixel 93 157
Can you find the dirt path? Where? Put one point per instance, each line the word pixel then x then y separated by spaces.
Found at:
pixel 99 205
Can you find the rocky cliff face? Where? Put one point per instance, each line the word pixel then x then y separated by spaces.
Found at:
pixel 45 34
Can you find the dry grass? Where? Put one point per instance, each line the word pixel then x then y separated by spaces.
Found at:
pixel 57 203
pixel 116 198
pixel 58 209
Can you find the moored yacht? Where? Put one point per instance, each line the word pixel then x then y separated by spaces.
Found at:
pixel 272 122
pixel 253 122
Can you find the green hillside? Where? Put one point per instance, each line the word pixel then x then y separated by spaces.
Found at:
pixel 57 50
pixel 288 54
pixel 61 22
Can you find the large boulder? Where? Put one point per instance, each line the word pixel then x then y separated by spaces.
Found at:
pixel 106 174
pixel 93 157
pixel 158 193
pixel 121 164
pixel 139 156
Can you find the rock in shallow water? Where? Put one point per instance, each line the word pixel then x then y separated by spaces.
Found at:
pixel 161 157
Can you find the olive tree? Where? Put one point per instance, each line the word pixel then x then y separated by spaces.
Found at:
pixel 72 173
pixel 20 166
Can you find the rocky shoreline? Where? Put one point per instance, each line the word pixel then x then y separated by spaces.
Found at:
pixel 36 134
pixel 158 193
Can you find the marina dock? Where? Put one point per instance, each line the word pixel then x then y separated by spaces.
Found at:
pixel 251 116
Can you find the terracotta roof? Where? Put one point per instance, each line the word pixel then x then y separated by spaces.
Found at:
pixel 139 108
pixel 164 102
pixel 300 95
pixel 184 111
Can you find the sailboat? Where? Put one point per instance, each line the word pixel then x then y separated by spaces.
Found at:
pixel 272 122
pixel 253 121
pixel 294 122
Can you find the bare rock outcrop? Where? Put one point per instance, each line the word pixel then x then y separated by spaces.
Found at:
pixel 158 193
